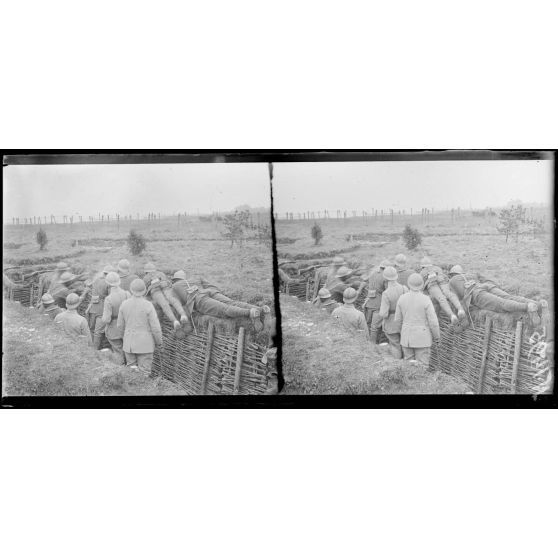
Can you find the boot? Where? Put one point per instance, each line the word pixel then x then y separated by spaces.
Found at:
pixel 176 325
pixel 265 317
pixel 255 316
pixel 454 319
pixel 461 313
pixel 97 339
pixel 184 319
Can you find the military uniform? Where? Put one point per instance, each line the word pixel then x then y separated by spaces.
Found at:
pixel 50 310
pixel 113 333
pixel 403 275
pixel 437 285
pixel 339 285
pixel 94 312
pixel 138 321
pixel 61 291
pixel 351 318
pixel 391 329
pixel 328 305
pixel 74 325
pixel 416 319
pixel 376 286
pixel 126 280
pixel 161 293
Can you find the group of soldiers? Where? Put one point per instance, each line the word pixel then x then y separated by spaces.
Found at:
pixel 122 308
pixel 400 301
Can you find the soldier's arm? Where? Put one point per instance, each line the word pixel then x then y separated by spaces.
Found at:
pixel 121 321
pixel 107 312
pixel 384 306
pixel 432 321
pixel 398 319
pixel 155 326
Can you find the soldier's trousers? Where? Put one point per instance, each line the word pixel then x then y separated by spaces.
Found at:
pixel 436 293
pixel 117 350
pixel 394 340
pixel 374 322
pixel 142 360
pixel 97 328
pixel 219 309
pixel 163 298
pixel 219 296
pixel 503 294
pixel 420 354
pixel 489 301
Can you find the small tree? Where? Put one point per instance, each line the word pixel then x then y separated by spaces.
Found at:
pixel 511 219
pixel 316 233
pixel 411 237
pixel 136 243
pixel 236 223
pixel 42 239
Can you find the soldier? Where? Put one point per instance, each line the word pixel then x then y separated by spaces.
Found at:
pixel 388 305
pixel 437 285
pixel 48 306
pixel 344 278
pixel 376 286
pixel 138 321
pixel 348 315
pixel 330 274
pixel 126 277
pixel 159 289
pixel 109 318
pixel 489 297
pixel 94 312
pixel 68 283
pixel 324 301
pixel 416 319
pixel 74 325
pixel 49 281
pixel 209 301
pixel 403 273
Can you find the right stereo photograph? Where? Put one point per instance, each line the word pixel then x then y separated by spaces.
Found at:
pixel 416 276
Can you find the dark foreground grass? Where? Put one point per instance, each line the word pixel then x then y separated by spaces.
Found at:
pixel 320 357
pixel 40 360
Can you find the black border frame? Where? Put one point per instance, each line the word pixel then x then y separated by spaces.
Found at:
pixel 148 156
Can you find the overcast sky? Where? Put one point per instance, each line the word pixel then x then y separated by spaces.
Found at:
pixel 300 187
pixel 33 190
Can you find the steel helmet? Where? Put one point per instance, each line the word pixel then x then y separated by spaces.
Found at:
pixel 425 262
pixel 455 270
pixel 324 293
pixel 415 282
pixel 67 276
pixel 338 261
pixel 72 301
pixel 108 268
pixel 62 266
pixel 401 259
pixel 138 287
pixel 112 279
pixel 47 299
pixel 124 266
pixel 343 271
pixel 180 274
pixel 149 268
pixel 384 264
pixel 349 295
pixel 390 273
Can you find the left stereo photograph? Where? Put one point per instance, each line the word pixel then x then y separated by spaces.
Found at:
pixel 137 279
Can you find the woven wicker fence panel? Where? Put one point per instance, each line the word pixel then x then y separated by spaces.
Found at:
pixel 299 290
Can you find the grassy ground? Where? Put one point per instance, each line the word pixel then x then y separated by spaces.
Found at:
pixel 40 360
pixel 320 357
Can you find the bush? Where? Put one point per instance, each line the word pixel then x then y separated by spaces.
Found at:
pixel 42 239
pixel 136 243
pixel 411 237
pixel 511 219
pixel 317 233
pixel 236 223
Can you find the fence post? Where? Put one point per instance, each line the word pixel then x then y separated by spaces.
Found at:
pixel 484 359
pixel 516 354
pixel 239 358
pixel 208 349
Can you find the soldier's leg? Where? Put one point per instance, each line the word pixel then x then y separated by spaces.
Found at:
pixel 175 303
pixel 408 353
pixel 145 361
pixel 453 298
pixel 117 351
pixel 423 356
pixel 375 326
pixel 503 294
pixel 219 296
pixel 159 298
pixel 436 293
pixel 217 309
pixel 131 359
pixel 98 332
pixel 489 301
pixel 368 315
pixel 394 344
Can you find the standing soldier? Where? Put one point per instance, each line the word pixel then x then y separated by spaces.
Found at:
pixel 138 321
pixel 376 286
pixel 390 297
pixel 94 312
pixel 324 301
pixel 417 321
pixel 48 306
pixel 74 325
pixel 68 283
pixel 348 315
pixel 403 273
pixel 126 277
pixel 111 307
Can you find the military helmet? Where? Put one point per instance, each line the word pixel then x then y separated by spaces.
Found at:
pixel 180 274
pixel 108 269
pixel 149 267
pixel 47 299
pixel 390 273
pixel 425 262
pixel 456 269
pixel 72 301
pixel 343 271
pixel 112 279
pixel 338 260
pixel 138 287
pixel 324 293
pixel 401 259
pixel 349 295
pixel 415 282
pixel 67 276
pixel 384 264
pixel 62 266
pixel 124 266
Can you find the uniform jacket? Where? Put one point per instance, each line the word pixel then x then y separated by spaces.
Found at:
pixel 160 275
pixel 433 274
pixel 329 306
pixel 138 320
pixel 387 308
pixel 338 287
pixel 403 276
pixel 99 291
pixel 60 292
pixel 126 281
pixel 51 310
pixel 74 325
pixel 185 294
pixel 110 312
pixel 376 286
pixel 416 319
pixel 351 318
